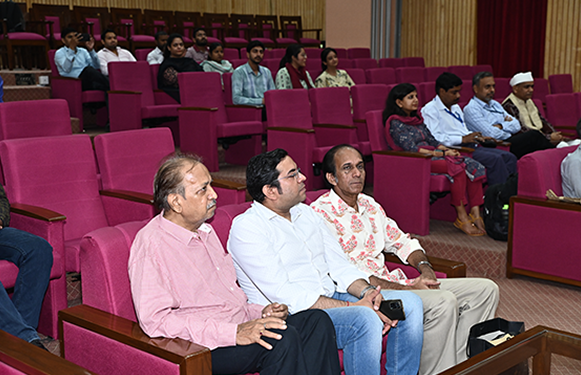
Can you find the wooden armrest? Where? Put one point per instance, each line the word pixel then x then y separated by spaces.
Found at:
pixel 194 358
pixel 123 92
pixel 360 121
pixel 303 30
pixel 334 126
pixel 30 359
pixel 292 130
pixel 225 184
pixel 36 212
pixel 545 203
pixel 197 109
pixel 450 267
pixel 128 195
pixel 243 106
pixel 503 143
pixel 403 153
pixel 461 149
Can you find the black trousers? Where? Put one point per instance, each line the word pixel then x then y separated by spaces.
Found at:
pixel 499 163
pixel 92 79
pixel 531 141
pixel 308 346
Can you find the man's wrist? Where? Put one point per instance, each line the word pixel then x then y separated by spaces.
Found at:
pixel 424 263
pixel 366 289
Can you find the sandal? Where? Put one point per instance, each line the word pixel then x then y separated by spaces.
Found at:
pixel 475 219
pixel 458 224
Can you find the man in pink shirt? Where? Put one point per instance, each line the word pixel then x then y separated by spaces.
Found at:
pixel 184 285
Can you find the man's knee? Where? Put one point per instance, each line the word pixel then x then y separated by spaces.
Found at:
pixel 489 288
pixel 367 320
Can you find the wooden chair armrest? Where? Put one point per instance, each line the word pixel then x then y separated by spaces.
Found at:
pixel 334 126
pixel 503 143
pixel 292 130
pixel 311 30
pixel 461 149
pixel 36 212
pixel 225 184
pixel 197 109
pixel 123 92
pixel 194 358
pixel 403 153
pixel 243 106
pixel 545 203
pixel 450 267
pixel 361 121
pixel 132 196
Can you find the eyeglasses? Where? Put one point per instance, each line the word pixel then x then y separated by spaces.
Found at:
pixel 294 175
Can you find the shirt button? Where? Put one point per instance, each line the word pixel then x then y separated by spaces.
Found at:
pixel 231 288
pixel 218 268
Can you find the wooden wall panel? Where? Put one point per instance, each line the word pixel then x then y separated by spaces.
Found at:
pixel 443 32
pixel 563 42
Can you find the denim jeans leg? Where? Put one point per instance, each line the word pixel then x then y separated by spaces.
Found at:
pixel 11 321
pixel 33 257
pixel 358 331
pixel 404 342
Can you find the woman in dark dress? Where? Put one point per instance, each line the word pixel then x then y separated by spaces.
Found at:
pixel 174 62
pixel 405 128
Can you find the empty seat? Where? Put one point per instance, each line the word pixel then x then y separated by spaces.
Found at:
pixel 561 83
pixel 365 63
pixel 433 72
pixel 409 74
pixel 380 75
pixel 414 61
pixel 465 72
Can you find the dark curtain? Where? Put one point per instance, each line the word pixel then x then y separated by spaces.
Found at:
pixel 511 36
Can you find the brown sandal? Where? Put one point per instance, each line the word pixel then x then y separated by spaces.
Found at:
pixel 475 219
pixel 458 224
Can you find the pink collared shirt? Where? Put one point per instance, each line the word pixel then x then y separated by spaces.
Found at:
pixel 184 285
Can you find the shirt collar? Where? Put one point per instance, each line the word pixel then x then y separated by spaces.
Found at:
pixel 440 105
pixel 269 214
pixel 341 205
pixel 249 70
pixel 182 234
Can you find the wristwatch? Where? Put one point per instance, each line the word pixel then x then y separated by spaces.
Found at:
pixel 422 263
pixel 366 289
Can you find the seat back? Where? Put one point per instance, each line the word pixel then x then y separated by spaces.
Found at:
pixel 345 63
pixel 465 72
pixel 426 92
pixel 561 83
pixel 540 171
pixel 128 160
pixel 503 89
pixel 562 110
pixel 413 74
pixel 331 105
pixel 57 173
pixel 104 257
pixel 368 98
pixel 132 76
pixel 391 62
pixel 540 106
pixel 223 217
pixel 380 75
pixel 288 108
pixel 203 89
pixel 364 63
pixel 231 54
pixel 466 92
pixel 433 72
pixel 482 68
pixel 21 119
pixel 357 75
pixel 141 54
pixel 54 72
pixel 227 79
pixel 359 53
pixel 541 89
pixel 414 61
pixel 342 53
pixel 376 131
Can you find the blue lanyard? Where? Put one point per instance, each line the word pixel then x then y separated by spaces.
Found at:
pixel 493 110
pixel 456 116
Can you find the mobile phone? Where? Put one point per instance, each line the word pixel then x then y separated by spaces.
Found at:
pixel 84 37
pixel 393 309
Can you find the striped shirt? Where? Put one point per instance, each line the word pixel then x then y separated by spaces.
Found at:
pixel 249 88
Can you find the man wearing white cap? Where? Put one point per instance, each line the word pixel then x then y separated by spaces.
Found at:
pixel 520 106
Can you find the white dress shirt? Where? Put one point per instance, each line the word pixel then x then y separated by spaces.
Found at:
pixel 448 127
pixel 155 57
pixel 106 56
pixel 481 116
pixel 291 262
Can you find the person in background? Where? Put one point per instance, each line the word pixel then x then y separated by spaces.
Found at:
pixel 199 51
pixel 292 73
pixel 156 55
pixel 216 62
pixel 111 51
pixel 331 76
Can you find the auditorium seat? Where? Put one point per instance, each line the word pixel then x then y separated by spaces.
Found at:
pixel 34 118
pixel 433 72
pixel 370 97
pixel 465 72
pixel 482 68
pixel 502 89
pixel 561 83
pixel 357 75
pixel 563 113
pixel 541 89
pixel 365 63
pixel 232 54
pixel 359 53
pixel 385 76
pixel 414 61
pixel 413 75
pixel 391 62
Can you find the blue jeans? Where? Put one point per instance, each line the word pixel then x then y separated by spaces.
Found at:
pixel 358 331
pixel 33 257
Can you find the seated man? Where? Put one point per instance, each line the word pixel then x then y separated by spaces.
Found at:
pixel 520 106
pixel 445 120
pixel 111 51
pixel 283 252
pixel 76 62
pixel 571 173
pixel 183 285
pixel 485 115
pixel 33 257
pixel 199 51
pixel 451 306
pixel 156 55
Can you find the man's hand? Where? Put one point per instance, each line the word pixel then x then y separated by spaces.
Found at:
pixel 427 280
pixel 372 299
pixel 276 310
pixel 74 42
pixel 556 137
pixel 89 44
pixel 252 331
pixel 452 153
pixel 507 118
pixel 472 137
pixel 498 126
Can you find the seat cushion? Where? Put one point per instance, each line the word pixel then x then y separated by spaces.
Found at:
pixel 142 38
pixel 72 251
pixel 264 40
pixel 92 96
pixel 164 110
pixel 439 183
pixel 213 40
pixel 234 129
pixel 235 40
pixel 187 40
pixel 9 271
pixel 309 41
pixel 24 36
pixel 285 41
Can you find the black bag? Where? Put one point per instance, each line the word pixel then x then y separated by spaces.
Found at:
pixel 496 207
pixel 12 13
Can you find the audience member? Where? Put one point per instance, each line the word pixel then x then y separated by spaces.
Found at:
pixel 519 105
pixel 485 115
pixel 33 257
pixel 174 62
pixel 445 120
pixel 216 62
pixel 251 80
pixel 199 51
pixel 111 51
pixel 407 129
pixel 283 252
pixel 291 72
pixel 183 285
pixel 76 62
pixel 331 76
pixel 156 55
pixel 359 223
pixel 571 174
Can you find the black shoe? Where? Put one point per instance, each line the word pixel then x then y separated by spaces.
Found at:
pixel 38 343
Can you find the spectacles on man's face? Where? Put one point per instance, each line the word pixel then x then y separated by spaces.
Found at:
pixel 294 175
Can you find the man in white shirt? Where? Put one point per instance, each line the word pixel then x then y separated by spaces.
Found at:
pixel 156 55
pixel 359 223
pixel 445 120
pixel 283 251
pixel 111 51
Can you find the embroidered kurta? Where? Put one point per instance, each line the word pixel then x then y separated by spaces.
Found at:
pixel 342 79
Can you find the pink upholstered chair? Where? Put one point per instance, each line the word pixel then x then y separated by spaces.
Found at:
pixel 563 113
pixel 132 100
pixel 129 24
pixel 70 90
pixel 204 121
pixel 292 29
pixel 314 54
pixel 358 53
pixel 367 98
pixel 466 92
pixel 465 72
pixel 342 53
pixel 290 127
pixel 141 54
pixel 532 216
pixel 232 54
pixel 266 30
pixel 433 72
pixel 237 62
pixel 272 64
pixel 426 92
pixel 345 63
pixel 391 62
pixel 561 83
pixel 540 106
pixel 21 119
pixel 503 89
pixel 365 63
pixel 414 61
pixel 482 68
pixel 413 75
pixel 357 75
pixel 541 89
pixel 380 75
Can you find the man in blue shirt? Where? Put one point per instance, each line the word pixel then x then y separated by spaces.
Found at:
pixel 485 115
pixel 251 80
pixel 83 63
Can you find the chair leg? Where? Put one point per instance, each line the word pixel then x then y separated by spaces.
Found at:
pixel 10 51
